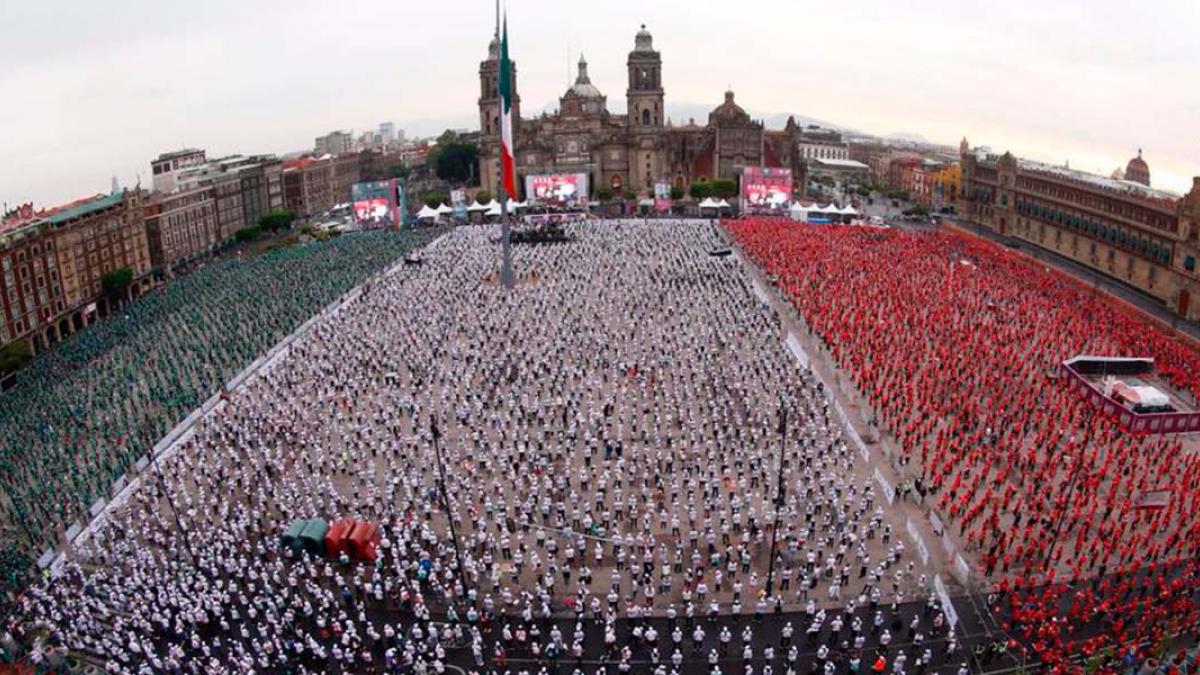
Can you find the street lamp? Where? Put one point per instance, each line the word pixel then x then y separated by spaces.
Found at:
pixel 782 429
pixel 437 452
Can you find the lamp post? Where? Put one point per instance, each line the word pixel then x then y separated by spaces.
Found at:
pixel 187 542
pixel 437 452
pixel 770 587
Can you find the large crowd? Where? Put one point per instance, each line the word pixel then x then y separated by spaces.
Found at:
pixel 612 435
pixel 955 343
pixel 79 416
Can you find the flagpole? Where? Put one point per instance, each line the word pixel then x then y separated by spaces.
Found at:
pixel 507 277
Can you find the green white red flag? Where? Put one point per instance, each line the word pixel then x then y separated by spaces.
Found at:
pixel 508 168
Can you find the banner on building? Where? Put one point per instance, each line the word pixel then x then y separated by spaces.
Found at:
pixel 401 203
pixel 374 204
pixel 766 190
pixel 458 200
pixel 662 196
pixel 563 190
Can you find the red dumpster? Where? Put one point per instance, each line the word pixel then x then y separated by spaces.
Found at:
pixel 364 541
pixel 337 540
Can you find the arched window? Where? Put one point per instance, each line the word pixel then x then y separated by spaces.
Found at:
pixel 646 116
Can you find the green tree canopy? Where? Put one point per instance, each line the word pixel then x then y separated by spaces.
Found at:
pixel 701 189
pixel 400 171
pixel 280 219
pixel 628 193
pixel 433 198
pixel 676 192
pixel 116 282
pixel 483 196
pixel 453 159
pixel 723 188
pixel 14 355
pixel 604 193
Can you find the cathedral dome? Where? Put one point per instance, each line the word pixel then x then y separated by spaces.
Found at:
pixel 494 49
pixel 1137 170
pixel 728 111
pixel 583 87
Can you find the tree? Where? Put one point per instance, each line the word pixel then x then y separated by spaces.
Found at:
pixel 456 162
pixel 723 188
pixel 247 234
pixel 116 282
pixel 629 194
pixel 14 355
pixel 676 192
pixel 280 219
pixel 483 196
pixel 400 171
pixel 604 193
pixel 701 189
pixel 433 198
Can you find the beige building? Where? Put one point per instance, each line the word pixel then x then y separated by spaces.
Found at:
pixel 1121 228
pixel 181 226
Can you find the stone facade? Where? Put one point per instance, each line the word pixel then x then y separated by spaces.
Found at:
pixel 1143 237
pixel 181 226
pixel 633 150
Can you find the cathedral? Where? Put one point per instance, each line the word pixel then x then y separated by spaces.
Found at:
pixel 633 150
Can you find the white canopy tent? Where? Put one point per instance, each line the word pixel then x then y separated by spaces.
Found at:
pixel 709 203
pixel 493 209
pixel 444 210
pixel 723 205
pixel 514 205
pixel 426 213
pixel 476 206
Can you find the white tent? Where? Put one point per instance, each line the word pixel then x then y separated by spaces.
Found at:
pixel 493 205
pixel 443 210
pixel 426 212
pixel 476 206
pixel 848 210
pixel 723 204
pixel 709 203
pixel 646 202
pixel 514 205
pixel 493 208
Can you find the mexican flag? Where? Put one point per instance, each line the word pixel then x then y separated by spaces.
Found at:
pixel 508 169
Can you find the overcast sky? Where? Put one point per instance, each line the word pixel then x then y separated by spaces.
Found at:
pixel 93 89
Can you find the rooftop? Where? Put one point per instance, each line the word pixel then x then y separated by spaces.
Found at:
pixel 1103 182
pixel 83 207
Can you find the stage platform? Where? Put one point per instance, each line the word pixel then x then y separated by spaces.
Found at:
pixel 1109 384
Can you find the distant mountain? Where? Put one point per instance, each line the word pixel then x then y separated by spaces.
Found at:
pixel 907 137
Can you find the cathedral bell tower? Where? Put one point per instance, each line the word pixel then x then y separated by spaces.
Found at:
pixel 489 116
pixel 644 97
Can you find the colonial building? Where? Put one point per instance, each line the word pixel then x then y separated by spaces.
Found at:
pixel 313 185
pixel 52 262
pixel 1122 228
pixel 634 149
pixel 181 226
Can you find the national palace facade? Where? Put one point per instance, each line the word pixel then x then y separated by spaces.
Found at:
pixel 636 149
pixel 1122 228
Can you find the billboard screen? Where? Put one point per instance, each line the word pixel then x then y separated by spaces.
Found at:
pixel 568 189
pixel 375 203
pixel 766 190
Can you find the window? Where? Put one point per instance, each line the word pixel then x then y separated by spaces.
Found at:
pixel 1189 263
pixel 646 117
